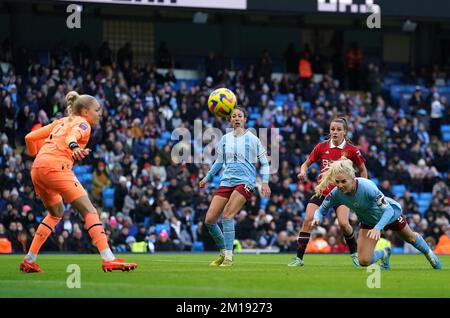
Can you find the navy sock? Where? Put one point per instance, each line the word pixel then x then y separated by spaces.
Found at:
pixel 351 243
pixel 302 243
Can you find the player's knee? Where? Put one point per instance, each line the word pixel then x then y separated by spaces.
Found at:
pixel 210 220
pixel 345 228
pixel 227 212
pixel 364 261
pixel 307 224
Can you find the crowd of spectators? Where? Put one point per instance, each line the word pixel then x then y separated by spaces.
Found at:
pixel 140 104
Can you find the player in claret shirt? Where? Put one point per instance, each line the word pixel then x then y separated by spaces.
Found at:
pixel 375 211
pixel 56 147
pixel 338 145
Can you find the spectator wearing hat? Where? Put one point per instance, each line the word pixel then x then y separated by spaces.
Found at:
pixel 163 242
pixel 157 170
pixel 100 180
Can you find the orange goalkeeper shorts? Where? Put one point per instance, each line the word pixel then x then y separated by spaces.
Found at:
pixel 53 185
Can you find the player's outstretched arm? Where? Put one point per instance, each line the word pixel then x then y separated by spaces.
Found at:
pixel 303 168
pixel 363 171
pixel 214 169
pixel 32 139
pixel 265 170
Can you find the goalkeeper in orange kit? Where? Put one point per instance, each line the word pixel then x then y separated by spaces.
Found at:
pixel 56 147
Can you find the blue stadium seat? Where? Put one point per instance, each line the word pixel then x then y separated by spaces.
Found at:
pixel 423 206
pixel 254 116
pixel 307 107
pixel 397 250
pixel 281 98
pixel 108 197
pixel 78 170
pixel 162 226
pixel 133 230
pixel 293 187
pixel 160 143
pixel 446 136
pixel 445 130
pixel 398 189
pixel 426 196
pixel 198 246
pixel 86 180
pixel 166 135
pixel 415 196
pixel 263 203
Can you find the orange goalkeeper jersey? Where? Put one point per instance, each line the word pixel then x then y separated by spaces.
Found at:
pixel 57 136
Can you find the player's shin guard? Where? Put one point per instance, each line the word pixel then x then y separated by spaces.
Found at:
pixel 228 233
pixel 351 243
pixel 217 235
pixel 302 243
pixel 43 232
pixel 96 231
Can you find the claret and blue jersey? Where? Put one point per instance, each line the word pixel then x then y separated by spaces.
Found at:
pixel 240 156
pixel 368 202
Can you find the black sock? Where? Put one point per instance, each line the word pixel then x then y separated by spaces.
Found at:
pixel 302 242
pixel 351 242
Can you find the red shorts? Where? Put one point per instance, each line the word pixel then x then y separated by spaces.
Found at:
pixel 396 226
pixel 243 189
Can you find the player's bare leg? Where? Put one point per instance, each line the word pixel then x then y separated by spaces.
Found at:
pixel 342 213
pixel 234 205
pixel 367 254
pixel 95 229
pixel 28 264
pixel 212 215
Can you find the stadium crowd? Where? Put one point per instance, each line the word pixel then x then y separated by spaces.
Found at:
pixel 157 205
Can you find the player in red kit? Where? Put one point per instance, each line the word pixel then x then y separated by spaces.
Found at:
pixel 328 151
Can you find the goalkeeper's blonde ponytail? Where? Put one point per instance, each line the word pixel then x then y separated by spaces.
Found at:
pixel 76 102
pixel 71 98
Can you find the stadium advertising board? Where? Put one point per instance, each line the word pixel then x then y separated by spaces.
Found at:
pixel 207 4
pixel 400 8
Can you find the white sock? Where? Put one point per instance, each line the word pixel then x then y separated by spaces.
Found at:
pixel 222 252
pixel 31 257
pixel 229 254
pixel 107 254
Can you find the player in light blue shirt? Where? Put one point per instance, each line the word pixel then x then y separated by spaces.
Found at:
pixel 375 211
pixel 238 152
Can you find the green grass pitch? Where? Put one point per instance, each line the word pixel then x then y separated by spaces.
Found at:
pixel 188 275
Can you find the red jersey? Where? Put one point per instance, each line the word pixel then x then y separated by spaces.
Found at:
pixel 327 153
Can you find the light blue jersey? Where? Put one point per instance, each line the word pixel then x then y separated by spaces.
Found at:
pixel 368 202
pixel 239 155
